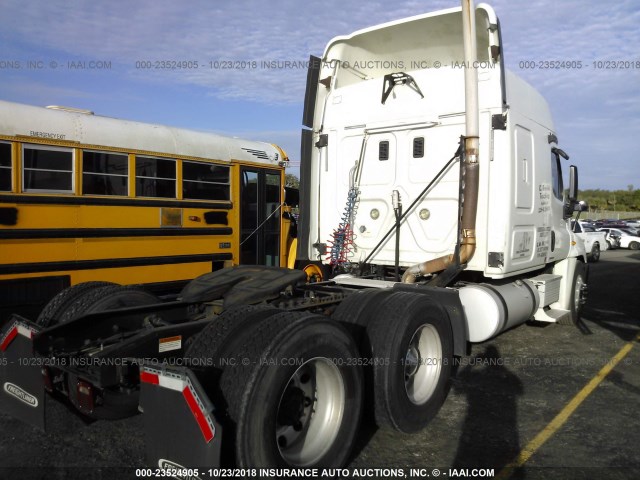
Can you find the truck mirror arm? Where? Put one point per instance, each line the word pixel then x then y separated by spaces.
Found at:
pixel 560 152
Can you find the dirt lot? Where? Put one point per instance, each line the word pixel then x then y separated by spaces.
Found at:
pixel 506 392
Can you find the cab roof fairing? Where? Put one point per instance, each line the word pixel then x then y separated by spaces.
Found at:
pixel 431 37
pixel 527 101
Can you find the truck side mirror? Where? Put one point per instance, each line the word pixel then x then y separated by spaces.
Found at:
pixel 573 184
pixel 572 198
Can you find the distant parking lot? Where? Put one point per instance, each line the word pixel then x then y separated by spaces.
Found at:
pixel 506 393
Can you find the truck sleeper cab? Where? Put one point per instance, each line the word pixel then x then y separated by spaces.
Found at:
pixel 276 364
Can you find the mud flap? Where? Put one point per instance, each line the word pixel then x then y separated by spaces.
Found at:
pixel 22 394
pixel 180 428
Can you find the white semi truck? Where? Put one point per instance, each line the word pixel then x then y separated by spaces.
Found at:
pixel 433 215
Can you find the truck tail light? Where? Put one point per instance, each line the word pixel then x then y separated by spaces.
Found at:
pixel 46 378
pixel 85 396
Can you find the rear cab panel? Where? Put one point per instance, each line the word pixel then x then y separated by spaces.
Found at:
pixel 407 140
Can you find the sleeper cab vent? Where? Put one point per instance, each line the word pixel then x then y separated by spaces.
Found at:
pixel 383 150
pixel 261 154
pixel 418 147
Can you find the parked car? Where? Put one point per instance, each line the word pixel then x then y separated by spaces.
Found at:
pixel 613 241
pixel 627 237
pixel 594 241
pixel 612 238
pixel 633 223
pixel 632 227
pixel 610 223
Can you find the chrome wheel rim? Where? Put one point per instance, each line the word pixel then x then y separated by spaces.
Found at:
pixel 310 412
pixel 577 294
pixel 422 364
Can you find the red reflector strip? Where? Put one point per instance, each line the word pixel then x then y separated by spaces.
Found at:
pixel 205 428
pixel 151 378
pixel 9 338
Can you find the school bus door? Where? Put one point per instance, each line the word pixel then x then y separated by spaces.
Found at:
pixel 260 193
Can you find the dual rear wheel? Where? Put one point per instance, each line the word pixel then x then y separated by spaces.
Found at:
pixel 293 385
pixel 407 344
pixel 289 393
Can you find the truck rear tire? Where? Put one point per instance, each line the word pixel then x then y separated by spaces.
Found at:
pixel 295 398
pixel 209 340
pixel 356 311
pixel 594 256
pixel 57 306
pixel 216 345
pixel 412 355
pixel 634 245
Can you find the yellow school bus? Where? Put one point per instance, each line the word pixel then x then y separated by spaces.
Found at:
pixel 85 197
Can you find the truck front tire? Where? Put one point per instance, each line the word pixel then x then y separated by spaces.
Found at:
pixel 578 288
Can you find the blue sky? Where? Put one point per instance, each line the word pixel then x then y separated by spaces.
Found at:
pixel 597 111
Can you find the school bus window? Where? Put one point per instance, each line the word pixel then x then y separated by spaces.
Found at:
pixel 205 181
pixel 155 177
pixel 47 169
pixel 5 167
pixel 104 173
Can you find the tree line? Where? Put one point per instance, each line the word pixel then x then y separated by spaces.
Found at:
pixel 614 200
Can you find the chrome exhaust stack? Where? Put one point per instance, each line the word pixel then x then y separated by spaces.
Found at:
pixel 470 166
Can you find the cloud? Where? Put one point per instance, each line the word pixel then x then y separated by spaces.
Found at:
pixel 43 92
pixel 590 104
pixel 202 31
